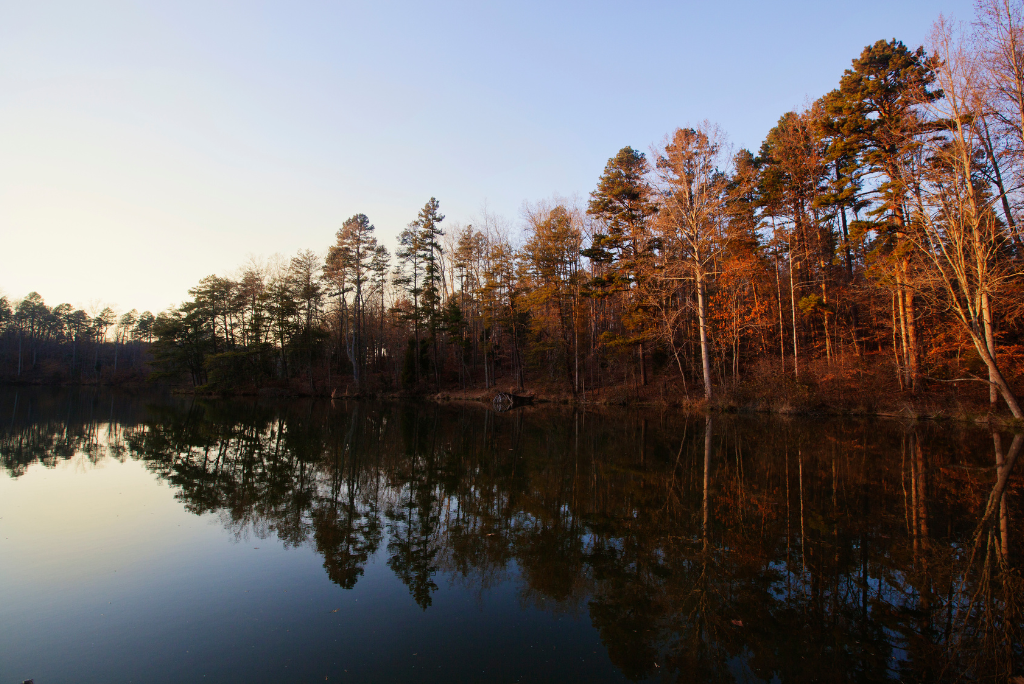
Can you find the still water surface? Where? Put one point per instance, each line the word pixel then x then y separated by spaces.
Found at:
pixel 158 539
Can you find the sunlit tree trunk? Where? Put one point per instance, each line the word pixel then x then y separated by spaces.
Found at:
pixel 705 351
pixel 792 304
pixel 990 344
pixel 958 234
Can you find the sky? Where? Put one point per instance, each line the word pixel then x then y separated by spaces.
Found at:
pixel 144 146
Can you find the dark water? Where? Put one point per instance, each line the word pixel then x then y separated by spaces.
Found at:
pixel 157 539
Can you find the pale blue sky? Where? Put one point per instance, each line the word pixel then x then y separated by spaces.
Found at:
pixel 146 145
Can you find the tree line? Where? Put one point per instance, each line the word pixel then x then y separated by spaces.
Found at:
pixel 62 343
pixel 874 234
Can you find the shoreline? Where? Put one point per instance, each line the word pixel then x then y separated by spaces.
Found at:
pixel 922 406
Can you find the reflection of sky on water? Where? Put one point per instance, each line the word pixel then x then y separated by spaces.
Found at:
pixel 107 578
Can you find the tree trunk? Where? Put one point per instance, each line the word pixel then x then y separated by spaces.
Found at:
pixel 912 342
pixel 782 325
pixel 643 365
pixel 905 345
pixel 792 304
pixel 990 343
pixel 705 352
pixel 1004 199
pixel 996 375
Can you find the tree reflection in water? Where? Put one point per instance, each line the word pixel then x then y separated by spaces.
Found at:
pixel 706 549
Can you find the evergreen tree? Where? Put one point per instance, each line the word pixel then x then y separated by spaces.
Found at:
pixel 875 118
pixel 622 202
pixel 429 224
pixel 409 276
pixel 349 265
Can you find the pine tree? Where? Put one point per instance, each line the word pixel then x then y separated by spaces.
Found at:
pixel 875 113
pixel 409 276
pixel 623 204
pixel 428 226
pixel 349 266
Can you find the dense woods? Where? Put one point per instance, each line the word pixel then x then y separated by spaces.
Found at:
pixel 872 243
pixel 65 344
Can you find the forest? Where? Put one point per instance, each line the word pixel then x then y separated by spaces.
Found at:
pixel 870 249
pixel 62 344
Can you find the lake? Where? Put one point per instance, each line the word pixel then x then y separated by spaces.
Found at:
pixel 153 538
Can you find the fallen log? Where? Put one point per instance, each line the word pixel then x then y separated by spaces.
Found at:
pixel 505 401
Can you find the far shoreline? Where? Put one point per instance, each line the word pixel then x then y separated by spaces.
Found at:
pixel 930 406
